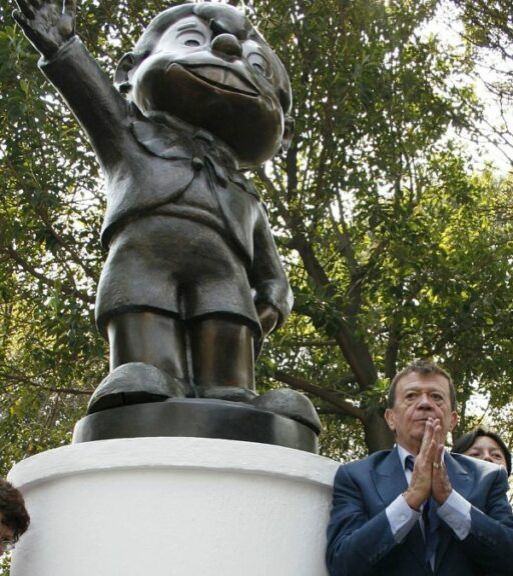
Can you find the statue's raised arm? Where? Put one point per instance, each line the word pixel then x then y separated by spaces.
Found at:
pixel 48 24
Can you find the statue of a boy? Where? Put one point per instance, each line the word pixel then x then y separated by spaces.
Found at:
pixel 193 281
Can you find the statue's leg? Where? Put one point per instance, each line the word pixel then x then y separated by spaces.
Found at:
pixel 222 358
pixel 148 337
pixel 223 369
pixel 148 361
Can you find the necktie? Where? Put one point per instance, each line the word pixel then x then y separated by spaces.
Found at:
pixel 429 519
pixel 430 530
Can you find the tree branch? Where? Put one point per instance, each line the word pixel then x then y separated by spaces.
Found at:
pixel 29 382
pixel 44 279
pixel 354 349
pixel 329 396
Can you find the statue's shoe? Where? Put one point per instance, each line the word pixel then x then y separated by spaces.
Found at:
pixel 134 383
pixel 283 401
pixel 291 404
pixel 230 393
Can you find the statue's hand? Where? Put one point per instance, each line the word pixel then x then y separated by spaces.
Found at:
pixel 268 316
pixel 48 24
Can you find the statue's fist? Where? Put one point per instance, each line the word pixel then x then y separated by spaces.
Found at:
pixel 268 316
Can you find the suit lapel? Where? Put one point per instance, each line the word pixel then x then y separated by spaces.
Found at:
pixel 389 478
pixel 462 481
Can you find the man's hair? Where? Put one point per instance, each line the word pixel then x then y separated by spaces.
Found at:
pixel 12 509
pixel 466 442
pixel 423 367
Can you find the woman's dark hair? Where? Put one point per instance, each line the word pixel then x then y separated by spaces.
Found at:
pixel 466 442
pixel 12 509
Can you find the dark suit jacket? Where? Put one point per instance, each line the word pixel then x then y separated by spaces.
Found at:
pixel 147 165
pixel 360 540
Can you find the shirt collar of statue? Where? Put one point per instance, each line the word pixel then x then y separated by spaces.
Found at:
pixel 198 142
pixel 173 139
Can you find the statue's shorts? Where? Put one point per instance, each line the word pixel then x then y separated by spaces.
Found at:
pixel 174 266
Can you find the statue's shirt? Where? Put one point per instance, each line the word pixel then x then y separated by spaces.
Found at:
pixel 212 162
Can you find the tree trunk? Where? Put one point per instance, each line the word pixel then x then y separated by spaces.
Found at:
pixel 378 436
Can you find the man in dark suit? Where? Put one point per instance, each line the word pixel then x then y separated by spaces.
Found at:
pixel 418 510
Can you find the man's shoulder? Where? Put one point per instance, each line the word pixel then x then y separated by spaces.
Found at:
pixel 479 468
pixel 372 461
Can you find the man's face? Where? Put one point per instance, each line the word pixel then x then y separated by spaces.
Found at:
pixel 224 82
pixel 6 533
pixel 417 398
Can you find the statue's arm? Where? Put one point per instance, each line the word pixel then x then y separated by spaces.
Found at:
pixel 273 296
pixel 48 24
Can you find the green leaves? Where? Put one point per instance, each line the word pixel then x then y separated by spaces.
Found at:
pixel 395 247
pixel 402 239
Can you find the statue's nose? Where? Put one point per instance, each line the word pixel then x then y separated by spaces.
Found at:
pixel 227 44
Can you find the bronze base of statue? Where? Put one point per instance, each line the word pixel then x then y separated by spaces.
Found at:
pixel 200 418
pixel 138 383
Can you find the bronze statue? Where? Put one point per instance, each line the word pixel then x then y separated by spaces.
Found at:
pixel 193 282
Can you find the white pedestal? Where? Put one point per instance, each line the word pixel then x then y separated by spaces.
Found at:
pixel 174 507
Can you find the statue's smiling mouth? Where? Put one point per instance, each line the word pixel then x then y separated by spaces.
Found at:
pixel 221 77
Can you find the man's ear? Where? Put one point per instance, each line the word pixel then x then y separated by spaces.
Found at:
pixel 454 420
pixel 122 74
pixel 390 419
pixel 288 133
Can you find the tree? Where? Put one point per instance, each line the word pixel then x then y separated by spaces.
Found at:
pixel 369 197
pixel 395 248
pixel 489 24
pixel 488 33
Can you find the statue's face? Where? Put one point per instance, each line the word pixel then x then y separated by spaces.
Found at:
pixel 225 83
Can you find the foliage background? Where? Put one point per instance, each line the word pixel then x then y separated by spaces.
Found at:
pixel 397 237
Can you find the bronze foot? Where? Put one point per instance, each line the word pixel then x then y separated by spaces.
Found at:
pixel 134 383
pixel 291 404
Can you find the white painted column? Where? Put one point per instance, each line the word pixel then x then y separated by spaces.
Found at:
pixel 174 507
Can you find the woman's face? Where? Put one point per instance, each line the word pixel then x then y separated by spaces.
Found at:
pixel 485 448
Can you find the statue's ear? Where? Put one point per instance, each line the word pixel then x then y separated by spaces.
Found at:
pixel 288 133
pixel 122 74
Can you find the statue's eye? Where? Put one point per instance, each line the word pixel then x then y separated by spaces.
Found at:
pixel 192 38
pixel 259 63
